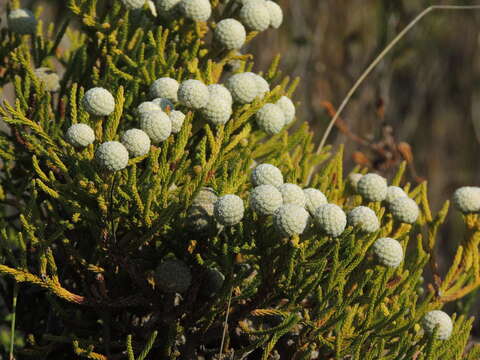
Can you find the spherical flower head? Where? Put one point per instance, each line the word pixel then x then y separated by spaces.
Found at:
pixel 263 87
pixel 214 280
pixel 265 199
pixel 388 251
pixel 364 219
pixel 372 187
pixel 404 210
pixel 165 87
pixel 137 142
pixel 276 14
pixel 80 135
pixel 229 210
pixel 177 118
pixel 99 102
pixel 173 276
pixel 200 215
pixel 243 88
pixel 255 16
pixel 148 106
pixel 290 219
pixel 22 21
pixel 292 194
pixel 220 91
pixel 467 199
pixel 193 94
pixel 166 8
pixel 314 198
pixel 156 124
pixel 48 78
pixel 112 156
pixel 270 119
pixel 217 111
pixel 230 33
pixel 331 219
pixel 440 319
pixel 393 193
pixel 164 104
pixel 196 10
pixel 267 174
pixel 134 4
pixel 353 180
pixel 206 195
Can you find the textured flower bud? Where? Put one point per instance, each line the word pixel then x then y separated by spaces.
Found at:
pixel 217 111
pixel 112 156
pixel 243 88
pixel 288 109
pixel 440 319
pixel 177 118
pixel 331 219
pixel 364 219
pixel 255 16
pixel 388 251
pixel 314 198
pixel 393 193
pixel 290 219
pixel 220 91
pixel 263 87
pixel 276 14
pixel 48 78
pixel 22 21
pixel 292 194
pixel 156 124
pixel 99 102
pixel 230 33
pixel 353 180
pixel 167 8
pixel 267 174
pixel 200 215
pixel 137 142
pixel 270 119
pixel 214 280
pixel 80 135
pixel 196 10
pixel 165 87
pixel 173 276
pixel 265 199
pixel 467 199
pixel 148 106
pixel 229 210
pixel 193 94
pixel 372 187
pixel 133 4
pixel 404 210
pixel 164 104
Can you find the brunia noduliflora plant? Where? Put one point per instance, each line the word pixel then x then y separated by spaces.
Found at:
pixel 129 234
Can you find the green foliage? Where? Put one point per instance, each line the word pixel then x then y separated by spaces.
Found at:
pixel 84 244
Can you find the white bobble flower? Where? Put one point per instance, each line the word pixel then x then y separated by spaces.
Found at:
pixel 404 210
pixel 177 118
pixel 243 88
pixel 166 8
pixel 467 199
pixel 314 198
pixel 267 174
pixel 148 106
pixel 49 78
pixel 156 124
pixel 134 4
pixel 193 94
pixel 220 91
pixel 200 215
pixel 353 180
pixel 22 21
pixel 288 109
pixel 165 87
pixel 276 14
pixel 388 251
pixel 217 111
pixel 440 319
pixel 270 119
pixel 229 210
pixel 137 142
pixel 164 104
pixel 331 219
pixel 230 33
pixel 173 276
pixel 364 219
pixel 196 10
pixel 80 135
pixel 290 219
pixel 292 194
pixel 263 87
pixel 393 193
pixel 372 187
pixel 255 16
pixel 99 102
pixel 265 199
pixel 112 156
